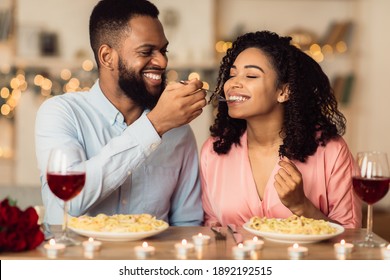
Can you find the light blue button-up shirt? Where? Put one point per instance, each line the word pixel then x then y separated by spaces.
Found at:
pixel 130 169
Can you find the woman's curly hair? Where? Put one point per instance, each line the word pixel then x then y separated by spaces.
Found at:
pixel 311 117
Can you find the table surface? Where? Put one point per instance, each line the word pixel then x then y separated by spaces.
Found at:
pixel 216 250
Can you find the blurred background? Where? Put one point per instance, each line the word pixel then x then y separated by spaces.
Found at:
pixel 44 51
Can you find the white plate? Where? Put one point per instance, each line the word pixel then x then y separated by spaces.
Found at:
pixel 294 238
pixel 119 236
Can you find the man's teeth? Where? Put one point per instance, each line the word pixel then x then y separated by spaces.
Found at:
pixel 152 76
pixel 237 98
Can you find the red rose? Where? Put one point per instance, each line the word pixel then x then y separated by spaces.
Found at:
pixel 28 218
pixel 34 238
pixel 19 230
pixel 9 215
pixel 3 238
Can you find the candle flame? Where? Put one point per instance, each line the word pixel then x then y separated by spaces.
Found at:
pixel 255 238
pixel 295 246
pixel 90 239
pixel 52 242
pixel 342 242
pixel 184 242
pixel 199 234
pixel 388 246
pixel 240 245
pixel 145 244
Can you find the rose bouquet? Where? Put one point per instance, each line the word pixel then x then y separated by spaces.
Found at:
pixel 19 230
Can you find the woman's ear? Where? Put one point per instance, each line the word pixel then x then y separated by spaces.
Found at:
pixel 106 57
pixel 284 94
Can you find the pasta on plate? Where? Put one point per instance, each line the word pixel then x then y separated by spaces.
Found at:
pixel 292 225
pixel 117 223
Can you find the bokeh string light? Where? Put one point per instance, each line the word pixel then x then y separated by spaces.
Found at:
pixel 16 81
pixel 335 41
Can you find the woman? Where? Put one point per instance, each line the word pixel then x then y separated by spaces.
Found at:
pixel 276 147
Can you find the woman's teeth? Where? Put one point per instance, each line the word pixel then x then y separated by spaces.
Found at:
pixel 237 98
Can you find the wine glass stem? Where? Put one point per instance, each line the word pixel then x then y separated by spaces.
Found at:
pixel 369 236
pixel 65 223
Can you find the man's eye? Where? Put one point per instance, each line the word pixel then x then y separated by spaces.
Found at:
pixel 164 52
pixel 146 53
pixel 251 77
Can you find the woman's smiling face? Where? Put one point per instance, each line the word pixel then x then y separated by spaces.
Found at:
pixel 251 87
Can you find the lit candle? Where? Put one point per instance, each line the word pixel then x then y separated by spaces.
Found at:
pixel 254 244
pixel 296 252
pixel 91 245
pixel 386 252
pixel 144 251
pixel 53 249
pixel 240 252
pixel 201 239
pixel 184 247
pixel 343 248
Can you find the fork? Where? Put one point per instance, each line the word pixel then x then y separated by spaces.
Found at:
pixel 213 94
pixel 218 233
pixel 220 239
pixel 220 98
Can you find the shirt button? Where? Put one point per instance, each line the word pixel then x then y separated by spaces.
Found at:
pixel 153 146
pixel 128 173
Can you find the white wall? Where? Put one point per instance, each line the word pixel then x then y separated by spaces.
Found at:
pixel 282 16
pixel 371 118
pixel 68 18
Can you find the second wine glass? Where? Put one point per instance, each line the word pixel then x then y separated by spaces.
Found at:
pixel 371 184
pixel 66 178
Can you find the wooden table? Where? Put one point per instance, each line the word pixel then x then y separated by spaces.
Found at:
pixel 216 250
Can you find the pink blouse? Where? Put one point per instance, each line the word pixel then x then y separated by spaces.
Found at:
pixel 230 194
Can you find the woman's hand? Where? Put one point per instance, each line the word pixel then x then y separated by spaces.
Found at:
pixel 289 186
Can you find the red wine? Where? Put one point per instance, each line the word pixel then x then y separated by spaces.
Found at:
pixel 66 186
pixel 371 190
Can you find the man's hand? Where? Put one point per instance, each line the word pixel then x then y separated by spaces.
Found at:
pixel 179 104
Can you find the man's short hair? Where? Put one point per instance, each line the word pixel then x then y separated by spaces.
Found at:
pixel 109 21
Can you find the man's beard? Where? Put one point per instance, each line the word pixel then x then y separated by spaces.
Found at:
pixel 134 87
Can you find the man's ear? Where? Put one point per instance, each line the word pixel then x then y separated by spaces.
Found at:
pixel 284 94
pixel 106 56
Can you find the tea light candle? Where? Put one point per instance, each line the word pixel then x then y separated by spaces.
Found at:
pixel 144 251
pixel 201 239
pixel 92 245
pixel 53 249
pixel 254 244
pixel 240 252
pixel 386 252
pixel 184 247
pixel 296 252
pixel 343 248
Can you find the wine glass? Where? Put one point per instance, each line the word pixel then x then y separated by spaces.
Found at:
pixel 371 183
pixel 65 176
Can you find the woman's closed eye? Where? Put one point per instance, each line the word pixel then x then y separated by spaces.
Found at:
pixel 247 76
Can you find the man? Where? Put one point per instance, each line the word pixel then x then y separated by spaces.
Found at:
pixel 141 153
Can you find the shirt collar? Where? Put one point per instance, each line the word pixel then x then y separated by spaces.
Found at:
pixel 103 105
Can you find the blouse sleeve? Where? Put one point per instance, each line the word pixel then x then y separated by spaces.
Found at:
pixel 344 205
